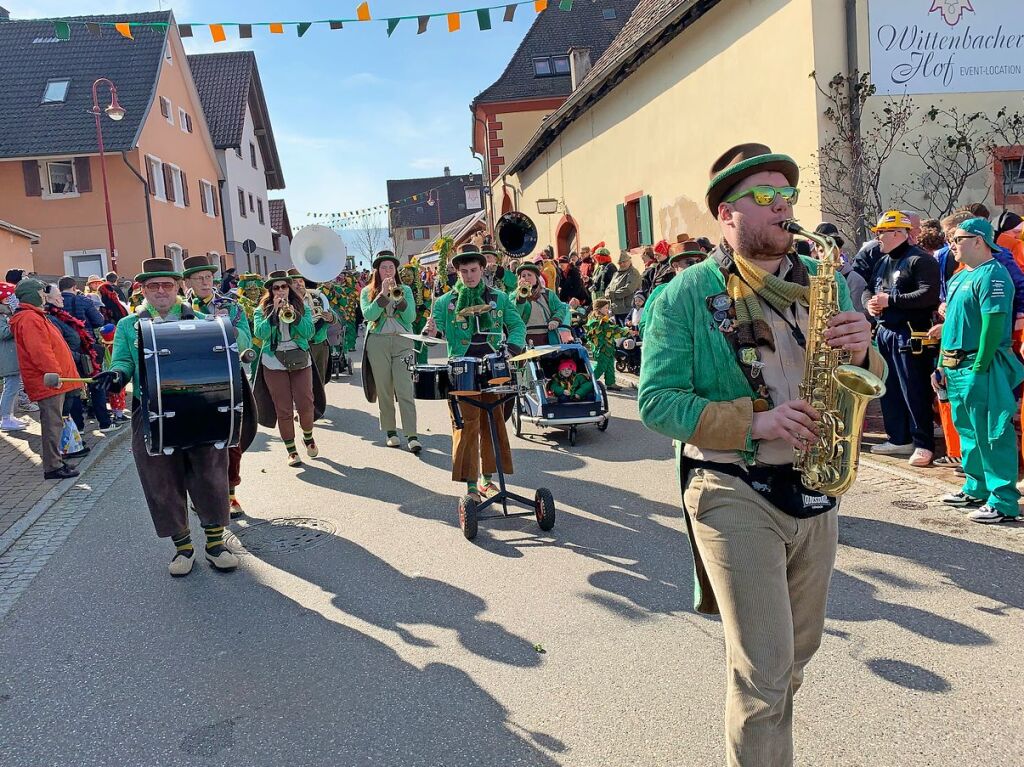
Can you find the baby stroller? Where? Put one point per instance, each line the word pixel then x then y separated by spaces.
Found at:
pixel 547 397
pixel 340 362
pixel 628 360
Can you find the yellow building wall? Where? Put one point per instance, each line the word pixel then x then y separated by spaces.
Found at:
pixel 517 128
pixel 738 74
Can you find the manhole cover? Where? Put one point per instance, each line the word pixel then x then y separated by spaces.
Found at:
pixel 908 504
pixel 280 536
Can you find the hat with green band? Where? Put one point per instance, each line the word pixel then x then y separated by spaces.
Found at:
pixel 277 276
pixel 196 264
pixel 385 255
pixel 157 267
pixel 529 267
pixel 742 161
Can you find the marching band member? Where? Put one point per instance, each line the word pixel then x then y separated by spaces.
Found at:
pixel 410 275
pixel 386 350
pixel 198 274
pixel 545 315
pixel 250 291
pixel 323 316
pixel 472 444
pixel 344 299
pixel 199 472
pixel 495 275
pixel 284 325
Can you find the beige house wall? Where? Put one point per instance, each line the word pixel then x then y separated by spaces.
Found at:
pixel 517 128
pixel 15 252
pixel 738 74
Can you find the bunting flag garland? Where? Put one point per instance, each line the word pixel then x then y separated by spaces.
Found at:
pixel 63 28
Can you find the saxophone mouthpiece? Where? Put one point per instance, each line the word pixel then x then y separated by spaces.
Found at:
pixel 791 226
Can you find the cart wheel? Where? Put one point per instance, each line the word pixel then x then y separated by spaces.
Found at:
pixel 603 426
pixel 467 517
pixel 544 508
pixel 620 365
pixel 572 435
pixel 517 417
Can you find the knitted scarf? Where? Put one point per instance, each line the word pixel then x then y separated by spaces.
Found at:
pixel 88 339
pixel 469 297
pixel 748 281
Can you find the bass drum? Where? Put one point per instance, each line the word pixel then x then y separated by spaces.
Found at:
pixel 191 384
pixel 430 382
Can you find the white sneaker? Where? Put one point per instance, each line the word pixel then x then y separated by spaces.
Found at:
pixel 394 441
pixel 13 424
pixel 888 448
pixel 921 458
pixel 29 407
pixel 989 516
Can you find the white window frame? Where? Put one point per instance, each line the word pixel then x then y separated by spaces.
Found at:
pixel 204 187
pixel 160 193
pixel 71 255
pixel 182 120
pixel 54 81
pixel 170 110
pixel 179 192
pixel 44 179
pixel 177 256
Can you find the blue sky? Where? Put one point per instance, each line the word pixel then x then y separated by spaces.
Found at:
pixel 350 108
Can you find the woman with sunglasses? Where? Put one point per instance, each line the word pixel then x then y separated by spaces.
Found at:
pixel 283 324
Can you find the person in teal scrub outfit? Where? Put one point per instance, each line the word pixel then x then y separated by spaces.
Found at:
pixel 979 372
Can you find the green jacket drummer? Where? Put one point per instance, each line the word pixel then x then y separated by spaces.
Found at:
pixel 470 333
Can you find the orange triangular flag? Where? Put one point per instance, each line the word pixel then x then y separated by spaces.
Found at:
pixel 277 29
pixel 217 33
pixel 540 5
pixel 454 22
pixel 363 12
pixel 125 29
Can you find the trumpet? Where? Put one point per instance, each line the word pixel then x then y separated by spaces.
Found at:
pixel 286 314
pixel 524 291
pixel 396 293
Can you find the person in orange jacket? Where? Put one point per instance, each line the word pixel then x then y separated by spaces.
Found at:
pixel 42 349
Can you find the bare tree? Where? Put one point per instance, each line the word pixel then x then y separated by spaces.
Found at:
pixel 852 159
pixel 369 234
pixel 952 148
pixel 1006 131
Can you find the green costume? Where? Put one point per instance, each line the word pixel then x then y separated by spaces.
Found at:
pixel 270 335
pixel 320 327
pixel 343 296
pixel 601 333
pixel 979 324
pixel 554 309
pixel 458 332
pixel 126 342
pixel 410 275
pixel 235 313
pixel 578 387
pixel 375 314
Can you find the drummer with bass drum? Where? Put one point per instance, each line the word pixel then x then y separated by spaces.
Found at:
pixel 474 319
pixel 199 472
pixel 199 277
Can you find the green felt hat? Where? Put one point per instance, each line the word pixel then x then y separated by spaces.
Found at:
pixel 157 267
pixel 194 264
pixel 742 161
pixel 468 253
pixel 528 267
pixel 277 276
pixel 385 255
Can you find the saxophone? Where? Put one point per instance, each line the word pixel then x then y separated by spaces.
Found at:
pixel 838 390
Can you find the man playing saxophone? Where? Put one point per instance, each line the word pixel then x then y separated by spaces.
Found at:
pixel 723 356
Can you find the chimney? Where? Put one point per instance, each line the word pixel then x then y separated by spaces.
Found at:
pixel 5 15
pixel 579 65
pixel 447 171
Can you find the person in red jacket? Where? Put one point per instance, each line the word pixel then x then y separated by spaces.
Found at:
pixel 41 349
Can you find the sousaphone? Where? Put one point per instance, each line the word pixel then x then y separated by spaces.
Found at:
pixel 319 253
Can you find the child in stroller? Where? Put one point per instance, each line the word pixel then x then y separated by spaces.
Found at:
pixel 569 385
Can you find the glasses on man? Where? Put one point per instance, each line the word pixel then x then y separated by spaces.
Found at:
pixel 162 287
pixel 961 237
pixel 764 195
pixel 280 287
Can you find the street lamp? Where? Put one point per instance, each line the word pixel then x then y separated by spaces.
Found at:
pixel 116 113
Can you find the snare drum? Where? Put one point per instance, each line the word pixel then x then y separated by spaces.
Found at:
pixel 496 370
pixel 464 375
pixel 430 381
pixel 191 384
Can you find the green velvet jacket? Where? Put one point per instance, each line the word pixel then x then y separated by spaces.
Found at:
pixel 557 310
pixel 458 332
pixel 375 314
pixel 301 331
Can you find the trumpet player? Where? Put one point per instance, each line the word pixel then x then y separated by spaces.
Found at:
pixel 284 325
pixel 199 274
pixel 719 354
pixel 323 318
pixel 546 316
pixel 389 308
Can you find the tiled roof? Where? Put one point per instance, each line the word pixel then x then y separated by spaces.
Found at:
pixel 449 191
pixel 279 218
pixel 650 27
pixel 552 34
pixel 226 82
pixel 30 55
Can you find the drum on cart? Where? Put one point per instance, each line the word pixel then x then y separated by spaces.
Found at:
pixel 496 370
pixel 464 375
pixel 191 384
pixel 430 382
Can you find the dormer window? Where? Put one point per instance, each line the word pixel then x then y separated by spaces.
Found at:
pixel 550 66
pixel 608 13
pixel 56 91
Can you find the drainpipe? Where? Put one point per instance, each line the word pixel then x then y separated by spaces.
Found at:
pixel 851 67
pixel 485 189
pixel 149 210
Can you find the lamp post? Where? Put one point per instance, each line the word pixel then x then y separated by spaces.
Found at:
pixel 116 113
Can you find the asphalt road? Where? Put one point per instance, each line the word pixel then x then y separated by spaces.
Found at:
pixel 383 637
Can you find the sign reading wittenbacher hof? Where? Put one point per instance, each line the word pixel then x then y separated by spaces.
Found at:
pixel 946 46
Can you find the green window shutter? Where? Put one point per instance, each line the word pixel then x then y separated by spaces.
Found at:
pixel 620 214
pixel 646 228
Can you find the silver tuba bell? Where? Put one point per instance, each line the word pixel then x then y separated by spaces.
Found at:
pixel 319 253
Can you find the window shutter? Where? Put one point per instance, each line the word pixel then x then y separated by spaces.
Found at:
pixel 165 107
pixel 168 253
pixel 620 215
pixel 83 174
pixel 33 184
pixel 646 222
pixel 149 177
pixel 188 122
pixel 184 189
pixel 184 254
pixel 214 193
pixel 241 203
pixel 168 183
pixel 202 197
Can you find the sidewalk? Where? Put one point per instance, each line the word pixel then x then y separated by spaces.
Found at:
pixel 24 494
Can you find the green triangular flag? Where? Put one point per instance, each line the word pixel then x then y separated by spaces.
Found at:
pixel 483 18
pixel 303 26
pixel 62 30
pixel 565 5
pixel 392 23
